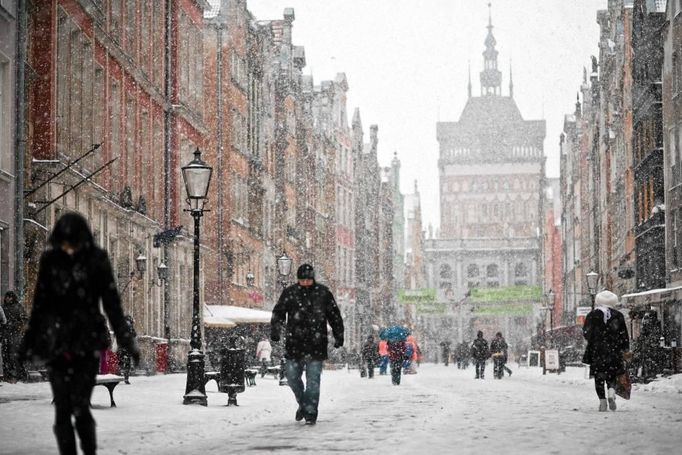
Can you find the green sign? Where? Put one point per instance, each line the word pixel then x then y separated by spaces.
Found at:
pixel 506 294
pixel 416 296
pixel 505 309
pixel 431 307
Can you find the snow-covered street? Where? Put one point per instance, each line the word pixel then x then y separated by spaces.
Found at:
pixel 441 409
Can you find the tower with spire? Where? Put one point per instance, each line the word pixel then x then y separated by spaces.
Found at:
pixel 491 77
pixel 491 176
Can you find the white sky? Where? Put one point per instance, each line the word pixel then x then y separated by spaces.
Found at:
pixel 406 63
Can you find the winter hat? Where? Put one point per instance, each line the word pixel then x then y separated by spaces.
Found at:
pixel 606 298
pixel 305 272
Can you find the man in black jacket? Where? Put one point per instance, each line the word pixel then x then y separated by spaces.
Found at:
pixel 480 353
pixel 306 307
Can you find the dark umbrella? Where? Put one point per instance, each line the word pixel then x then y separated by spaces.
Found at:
pixel 394 333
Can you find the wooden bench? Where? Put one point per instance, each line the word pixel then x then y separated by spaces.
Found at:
pixel 110 381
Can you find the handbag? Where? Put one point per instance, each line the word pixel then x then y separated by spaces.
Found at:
pixel 623 385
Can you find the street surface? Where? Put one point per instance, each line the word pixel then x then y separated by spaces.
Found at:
pixel 441 409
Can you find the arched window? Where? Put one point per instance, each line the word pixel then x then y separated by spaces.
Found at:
pixel 445 272
pixel 472 271
pixel 520 270
pixel 491 271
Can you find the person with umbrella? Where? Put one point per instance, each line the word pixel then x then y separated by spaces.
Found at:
pixel 395 337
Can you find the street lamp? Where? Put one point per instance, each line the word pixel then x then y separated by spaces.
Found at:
pixel 592 279
pixel 550 308
pixel 161 274
pixel 283 268
pixel 197 177
pixel 138 273
pixel 250 279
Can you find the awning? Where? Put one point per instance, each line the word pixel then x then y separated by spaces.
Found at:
pixel 652 297
pixel 227 316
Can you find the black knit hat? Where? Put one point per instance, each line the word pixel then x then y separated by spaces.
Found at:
pixel 305 272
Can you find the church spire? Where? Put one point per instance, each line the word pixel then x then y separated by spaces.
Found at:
pixel 491 78
pixel 511 81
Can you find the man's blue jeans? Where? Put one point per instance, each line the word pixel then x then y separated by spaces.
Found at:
pixel 307 396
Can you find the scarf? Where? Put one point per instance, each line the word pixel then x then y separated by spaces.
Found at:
pixel 606 311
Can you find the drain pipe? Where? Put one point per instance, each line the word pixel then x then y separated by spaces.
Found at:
pixel 219 152
pixel 20 149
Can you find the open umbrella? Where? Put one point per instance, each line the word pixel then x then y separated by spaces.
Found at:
pixel 394 333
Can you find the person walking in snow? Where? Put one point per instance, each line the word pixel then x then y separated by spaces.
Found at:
pixel 125 360
pixel 10 337
pixel 607 342
pixel 480 353
pixel 397 354
pixel 67 328
pixel 264 355
pixel 306 308
pixel 383 357
pixel 498 348
pixel 445 347
pixel 369 355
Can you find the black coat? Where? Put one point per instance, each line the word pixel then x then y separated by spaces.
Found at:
pixel 498 345
pixel 606 343
pixel 479 349
pixel 306 312
pixel 66 316
pixel 370 351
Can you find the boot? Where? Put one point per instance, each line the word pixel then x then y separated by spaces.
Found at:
pixel 66 441
pixel 603 406
pixel 88 435
pixel 612 399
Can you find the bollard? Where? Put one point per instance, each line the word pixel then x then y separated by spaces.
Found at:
pixel 232 366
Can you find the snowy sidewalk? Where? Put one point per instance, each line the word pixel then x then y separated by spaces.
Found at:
pixel 440 409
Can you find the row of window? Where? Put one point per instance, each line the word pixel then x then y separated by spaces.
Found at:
pixel 497 184
pixel 491 271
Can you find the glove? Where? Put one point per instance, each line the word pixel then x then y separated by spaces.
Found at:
pixel 627 356
pixel 274 337
pixel 338 343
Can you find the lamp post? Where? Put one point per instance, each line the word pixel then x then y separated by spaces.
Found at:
pixel 550 305
pixel 592 279
pixel 140 268
pixel 284 269
pixel 197 177
pixel 161 274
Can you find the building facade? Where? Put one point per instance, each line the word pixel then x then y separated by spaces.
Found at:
pixel 491 173
pixel 8 188
pixel 106 107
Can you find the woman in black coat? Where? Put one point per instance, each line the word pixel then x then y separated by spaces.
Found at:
pixel 607 341
pixel 67 329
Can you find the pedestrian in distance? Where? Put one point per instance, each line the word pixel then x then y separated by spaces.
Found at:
pixel 67 330
pixel 125 360
pixel 480 353
pixel 462 353
pixel 383 357
pixel 445 347
pixel 264 355
pixel 369 355
pixel 607 346
pixel 397 354
pixel 306 308
pixel 412 356
pixel 10 337
pixel 498 348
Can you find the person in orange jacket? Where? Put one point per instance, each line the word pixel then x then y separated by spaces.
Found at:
pixel 383 357
pixel 412 352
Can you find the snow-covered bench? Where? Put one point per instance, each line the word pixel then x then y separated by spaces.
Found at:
pixel 110 381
